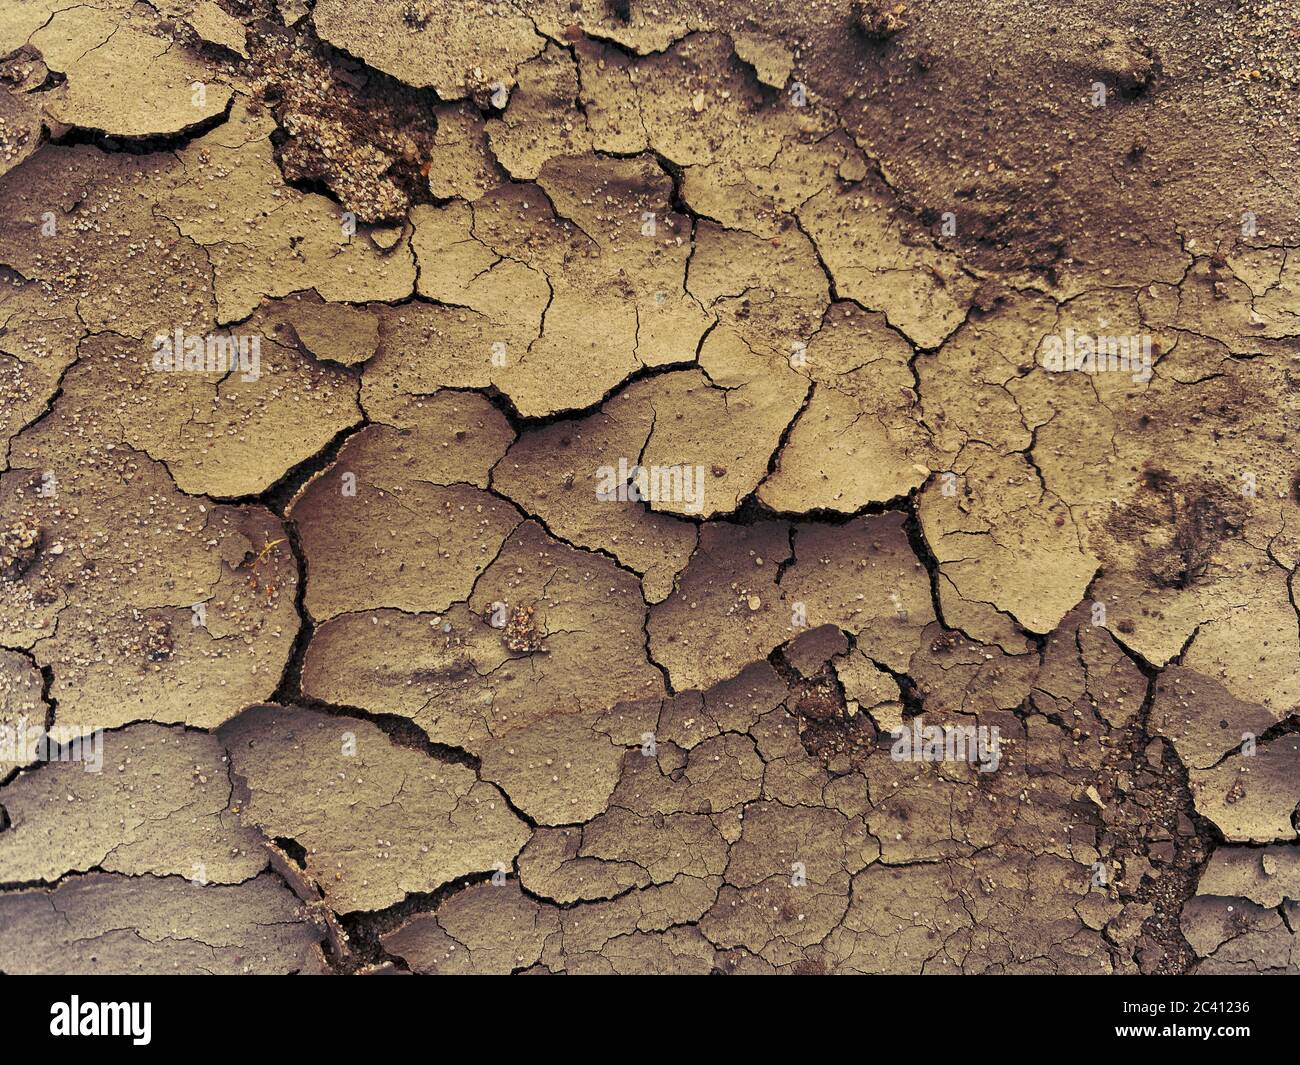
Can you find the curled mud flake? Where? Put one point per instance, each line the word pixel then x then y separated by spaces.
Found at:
pixel 124 76
pixel 771 60
pixel 20 127
pixel 484 929
pixel 107 922
pixel 376 819
pixel 215 26
pixel 144 800
pixel 461 52
pixel 336 332
pixel 1252 798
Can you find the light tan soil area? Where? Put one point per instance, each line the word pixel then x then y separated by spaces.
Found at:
pixel 643 428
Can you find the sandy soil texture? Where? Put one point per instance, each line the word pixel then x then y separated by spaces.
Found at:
pixel 602 486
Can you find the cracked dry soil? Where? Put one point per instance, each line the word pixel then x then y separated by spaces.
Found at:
pixel 639 525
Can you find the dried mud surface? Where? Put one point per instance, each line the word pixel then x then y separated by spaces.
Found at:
pixel 378 654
